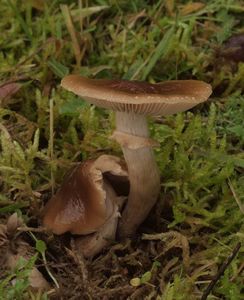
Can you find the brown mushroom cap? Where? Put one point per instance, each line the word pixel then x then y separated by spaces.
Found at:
pixel 139 97
pixel 85 200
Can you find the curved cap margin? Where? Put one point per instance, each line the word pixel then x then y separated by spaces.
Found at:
pixel 164 98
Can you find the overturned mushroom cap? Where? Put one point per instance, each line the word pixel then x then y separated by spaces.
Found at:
pixel 86 200
pixel 139 97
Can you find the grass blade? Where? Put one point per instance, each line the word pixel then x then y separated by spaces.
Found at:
pixel 160 51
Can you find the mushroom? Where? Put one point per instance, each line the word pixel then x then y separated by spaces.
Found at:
pixel 87 203
pixel 133 101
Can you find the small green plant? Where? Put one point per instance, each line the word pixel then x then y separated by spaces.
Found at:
pixel 146 277
pixel 15 285
pixel 44 130
pixel 41 248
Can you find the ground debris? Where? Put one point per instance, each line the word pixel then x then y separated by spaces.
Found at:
pixel 13 248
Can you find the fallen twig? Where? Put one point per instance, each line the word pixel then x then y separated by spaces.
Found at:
pixel 238 201
pixel 32 229
pixel 220 272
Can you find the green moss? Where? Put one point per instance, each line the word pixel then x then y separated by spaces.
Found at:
pixel 200 154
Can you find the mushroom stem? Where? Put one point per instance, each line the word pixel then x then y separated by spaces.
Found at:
pixel 143 173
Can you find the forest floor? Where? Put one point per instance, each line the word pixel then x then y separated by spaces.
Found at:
pixel 197 222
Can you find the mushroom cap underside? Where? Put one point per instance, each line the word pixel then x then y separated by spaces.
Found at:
pixel 139 97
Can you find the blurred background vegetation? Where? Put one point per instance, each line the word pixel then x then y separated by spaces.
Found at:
pixel 44 130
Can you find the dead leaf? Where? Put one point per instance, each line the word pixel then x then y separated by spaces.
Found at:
pixel 37 281
pixel 13 223
pixel 172 239
pixel 191 8
pixel 8 89
pixel 169 5
pixel 133 19
pixel 9 257
pixel 38 4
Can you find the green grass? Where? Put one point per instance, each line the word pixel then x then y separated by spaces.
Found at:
pixel 44 129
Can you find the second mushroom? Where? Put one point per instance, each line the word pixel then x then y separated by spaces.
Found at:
pixel 88 203
pixel 133 101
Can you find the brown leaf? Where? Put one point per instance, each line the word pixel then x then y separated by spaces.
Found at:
pixel 9 257
pixel 37 281
pixel 38 4
pixel 13 223
pixel 170 5
pixel 191 8
pixel 8 89
pixel 24 250
pixel 233 48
